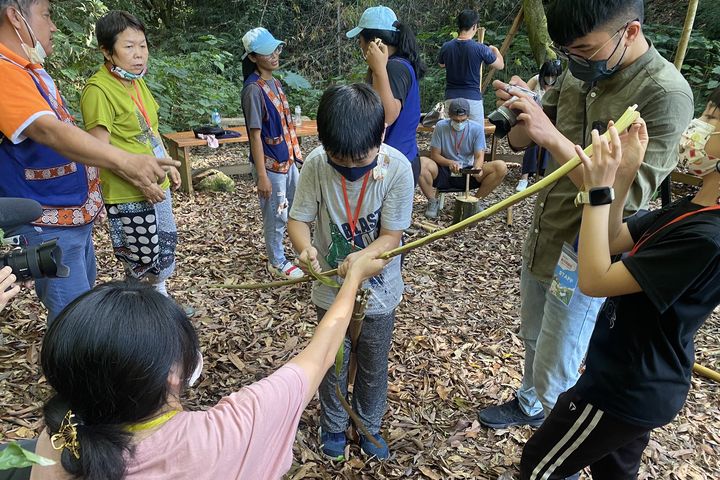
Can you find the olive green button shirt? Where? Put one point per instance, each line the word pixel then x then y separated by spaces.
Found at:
pixel 665 102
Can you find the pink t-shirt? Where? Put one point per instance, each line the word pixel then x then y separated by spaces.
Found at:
pixel 247 435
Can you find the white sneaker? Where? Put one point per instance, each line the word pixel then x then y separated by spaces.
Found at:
pixel 287 270
pixel 432 208
pixel 522 185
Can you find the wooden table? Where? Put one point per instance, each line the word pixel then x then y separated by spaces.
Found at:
pixel 179 144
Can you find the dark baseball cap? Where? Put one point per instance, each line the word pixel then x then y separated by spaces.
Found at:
pixel 459 106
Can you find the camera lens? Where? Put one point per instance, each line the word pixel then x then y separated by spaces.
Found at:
pixel 504 119
pixel 37 261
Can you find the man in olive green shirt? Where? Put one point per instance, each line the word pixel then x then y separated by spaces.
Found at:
pixel 611 67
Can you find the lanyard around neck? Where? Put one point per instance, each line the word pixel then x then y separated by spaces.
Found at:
pixel 137 100
pixel 457 142
pixel 155 422
pixel 353 219
pixel 647 235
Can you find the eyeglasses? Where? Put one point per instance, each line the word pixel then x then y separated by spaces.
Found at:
pixel 275 52
pixel 565 54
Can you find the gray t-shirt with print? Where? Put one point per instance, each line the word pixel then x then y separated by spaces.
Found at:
pixel 253 104
pixel 387 204
pixel 459 146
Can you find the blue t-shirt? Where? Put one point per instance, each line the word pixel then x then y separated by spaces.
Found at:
pixel 462 60
pixel 459 146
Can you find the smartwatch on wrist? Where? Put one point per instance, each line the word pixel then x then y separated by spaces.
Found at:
pixel 595 196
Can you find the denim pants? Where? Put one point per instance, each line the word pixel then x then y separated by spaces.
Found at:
pixel 78 254
pixel 275 211
pixel 369 399
pixel 556 338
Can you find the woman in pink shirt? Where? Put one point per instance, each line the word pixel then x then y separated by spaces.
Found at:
pixel 119 358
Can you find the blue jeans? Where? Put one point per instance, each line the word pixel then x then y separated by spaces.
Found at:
pixel 369 398
pixel 275 211
pixel 556 337
pixel 77 253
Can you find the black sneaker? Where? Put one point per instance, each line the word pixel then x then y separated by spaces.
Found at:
pixel 507 415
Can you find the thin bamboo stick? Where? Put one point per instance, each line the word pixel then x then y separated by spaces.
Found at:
pixel 621 124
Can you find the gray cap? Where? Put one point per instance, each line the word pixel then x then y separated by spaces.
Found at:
pixel 459 106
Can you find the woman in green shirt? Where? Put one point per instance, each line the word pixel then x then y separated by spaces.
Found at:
pixel 118 108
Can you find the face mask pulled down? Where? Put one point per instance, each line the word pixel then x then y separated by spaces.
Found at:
pixel 692 155
pixel 36 53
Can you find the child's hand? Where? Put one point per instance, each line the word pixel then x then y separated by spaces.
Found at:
pixel 600 170
pixel 309 255
pixel 364 264
pixel 377 56
pixel 634 144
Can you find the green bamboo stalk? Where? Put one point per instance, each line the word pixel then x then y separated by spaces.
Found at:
pixel 622 124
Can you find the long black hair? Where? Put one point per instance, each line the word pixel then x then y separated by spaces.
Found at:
pixel 108 356
pixel 248 66
pixel 404 42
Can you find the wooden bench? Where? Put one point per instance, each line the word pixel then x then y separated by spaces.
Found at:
pixel 180 143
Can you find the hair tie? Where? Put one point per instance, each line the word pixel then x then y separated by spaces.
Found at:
pixel 67 436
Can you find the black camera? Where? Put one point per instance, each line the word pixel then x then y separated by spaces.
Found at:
pixel 36 261
pixel 504 118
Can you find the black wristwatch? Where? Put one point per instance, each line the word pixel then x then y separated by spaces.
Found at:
pixel 595 196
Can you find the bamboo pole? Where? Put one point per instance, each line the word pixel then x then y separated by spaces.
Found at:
pixel 685 37
pixel 706 372
pixel 504 47
pixel 621 124
pixel 481 39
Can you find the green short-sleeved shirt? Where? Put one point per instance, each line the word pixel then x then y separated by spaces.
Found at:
pixel 107 102
pixel 665 102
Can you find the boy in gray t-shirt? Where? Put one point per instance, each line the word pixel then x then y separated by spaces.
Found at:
pixel 358 192
pixel 458 143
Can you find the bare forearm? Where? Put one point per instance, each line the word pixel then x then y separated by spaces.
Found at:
pixel 381 84
pixel 593 246
pixel 320 353
pixel 385 242
pixel 258 154
pixel 299 233
pixel 563 150
pixel 74 143
pixel 436 157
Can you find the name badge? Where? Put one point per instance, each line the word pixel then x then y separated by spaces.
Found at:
pixel 157 147
pixel 565 277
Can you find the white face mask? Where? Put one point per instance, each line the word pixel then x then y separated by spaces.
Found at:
pixel 458 126
pixel 196 373
pixel 692 154
pixel 36 53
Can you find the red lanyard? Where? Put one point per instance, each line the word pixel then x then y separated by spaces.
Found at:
pixel 55 102
pixel 353 219
pixel 456 141
pixel 646 236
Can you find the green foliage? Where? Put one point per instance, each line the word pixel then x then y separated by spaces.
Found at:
pixel 701 67
pixel 189 86
pixel 15 456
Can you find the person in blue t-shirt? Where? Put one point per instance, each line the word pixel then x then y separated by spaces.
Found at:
pixel 394 70
pixel 462 58
pixel 458 143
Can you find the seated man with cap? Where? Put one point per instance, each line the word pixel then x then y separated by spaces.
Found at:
pixel 458 143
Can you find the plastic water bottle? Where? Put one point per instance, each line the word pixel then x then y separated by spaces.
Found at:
pixel 215 118
pixel 298 116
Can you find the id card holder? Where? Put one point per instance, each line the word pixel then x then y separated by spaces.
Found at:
pixel 565 277
pixel 157 147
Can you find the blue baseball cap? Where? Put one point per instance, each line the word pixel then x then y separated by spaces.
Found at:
pixel 259 40
pixel 377 18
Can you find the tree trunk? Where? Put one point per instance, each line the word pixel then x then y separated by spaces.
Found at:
pixel 536 24
pixel 685 37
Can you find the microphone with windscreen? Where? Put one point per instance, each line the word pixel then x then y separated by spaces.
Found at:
pixel 36 261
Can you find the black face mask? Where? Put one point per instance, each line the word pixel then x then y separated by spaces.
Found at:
pixel 595 70
pixel 353 173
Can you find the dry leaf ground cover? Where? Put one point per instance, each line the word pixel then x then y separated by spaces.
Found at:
pixel 455 347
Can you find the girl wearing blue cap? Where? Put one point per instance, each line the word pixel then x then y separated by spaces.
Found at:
pixel 395 69
pixel 274 146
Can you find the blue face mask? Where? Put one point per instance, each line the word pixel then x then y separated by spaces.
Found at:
pixel 353 173
pixel 125 75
